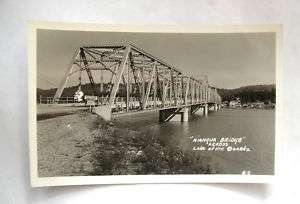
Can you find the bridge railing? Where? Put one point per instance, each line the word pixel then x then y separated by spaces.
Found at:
pixel 50 100
pixel 134 102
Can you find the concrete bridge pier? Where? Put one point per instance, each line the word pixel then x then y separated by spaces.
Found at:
pixel 103 111
pixel 184 115
pixel 216 107
pixel 206 109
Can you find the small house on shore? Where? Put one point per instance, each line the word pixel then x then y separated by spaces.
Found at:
pixel 235 103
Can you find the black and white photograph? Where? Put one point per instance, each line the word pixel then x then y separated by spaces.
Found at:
pixel 161 102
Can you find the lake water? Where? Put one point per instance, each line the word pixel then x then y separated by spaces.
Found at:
pixel 256 127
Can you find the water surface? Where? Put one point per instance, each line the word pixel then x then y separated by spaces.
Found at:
pixel 256 126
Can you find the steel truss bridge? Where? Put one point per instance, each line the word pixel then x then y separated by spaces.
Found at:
pixel 141 80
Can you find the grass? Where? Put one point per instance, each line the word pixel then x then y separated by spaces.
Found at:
pixel 127 152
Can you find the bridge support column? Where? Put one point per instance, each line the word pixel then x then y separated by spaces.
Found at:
pixel 216 107
pixel 205 109
pixel 103 111
pixel 185 115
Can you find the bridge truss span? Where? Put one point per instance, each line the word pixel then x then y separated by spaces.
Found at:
pixel 132 79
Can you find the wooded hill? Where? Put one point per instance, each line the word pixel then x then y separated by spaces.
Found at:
pixel 87 90
pixel 264 93
pixel 246 94
pixel 70 91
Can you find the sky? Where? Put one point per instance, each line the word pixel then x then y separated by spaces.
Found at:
pixel 230 60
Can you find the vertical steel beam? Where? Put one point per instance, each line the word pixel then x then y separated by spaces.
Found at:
pixel 164 90
pixel 182 89
pixel 200 92
pixel 170 86
pixel 143 83
pixel 187 87
pixel 136 81
pixel 196 92
pixel 173 87
pixel 127 88
pixel 155 87
pixel 192 91
pixel 205 93
pixel 158 85
pixel 101 81
pixel 119 75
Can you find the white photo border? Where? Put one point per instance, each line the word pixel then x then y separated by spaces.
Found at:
pixel 134 179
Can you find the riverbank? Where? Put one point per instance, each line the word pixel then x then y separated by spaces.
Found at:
pixel 83 144
pixel 46 111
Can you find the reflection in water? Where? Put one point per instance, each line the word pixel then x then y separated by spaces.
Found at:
pixel 257 126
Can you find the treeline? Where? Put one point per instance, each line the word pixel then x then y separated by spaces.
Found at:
pixel 88 90
pixel 247 94
pixel 70 91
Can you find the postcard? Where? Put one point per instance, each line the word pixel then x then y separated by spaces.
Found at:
pixel 122 104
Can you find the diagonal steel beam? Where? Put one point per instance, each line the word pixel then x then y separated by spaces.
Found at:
pixel 66 77
pixel 88 71
pixel 118 76
pixel 149 86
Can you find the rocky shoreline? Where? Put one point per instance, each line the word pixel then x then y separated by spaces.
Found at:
pixel 83 144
